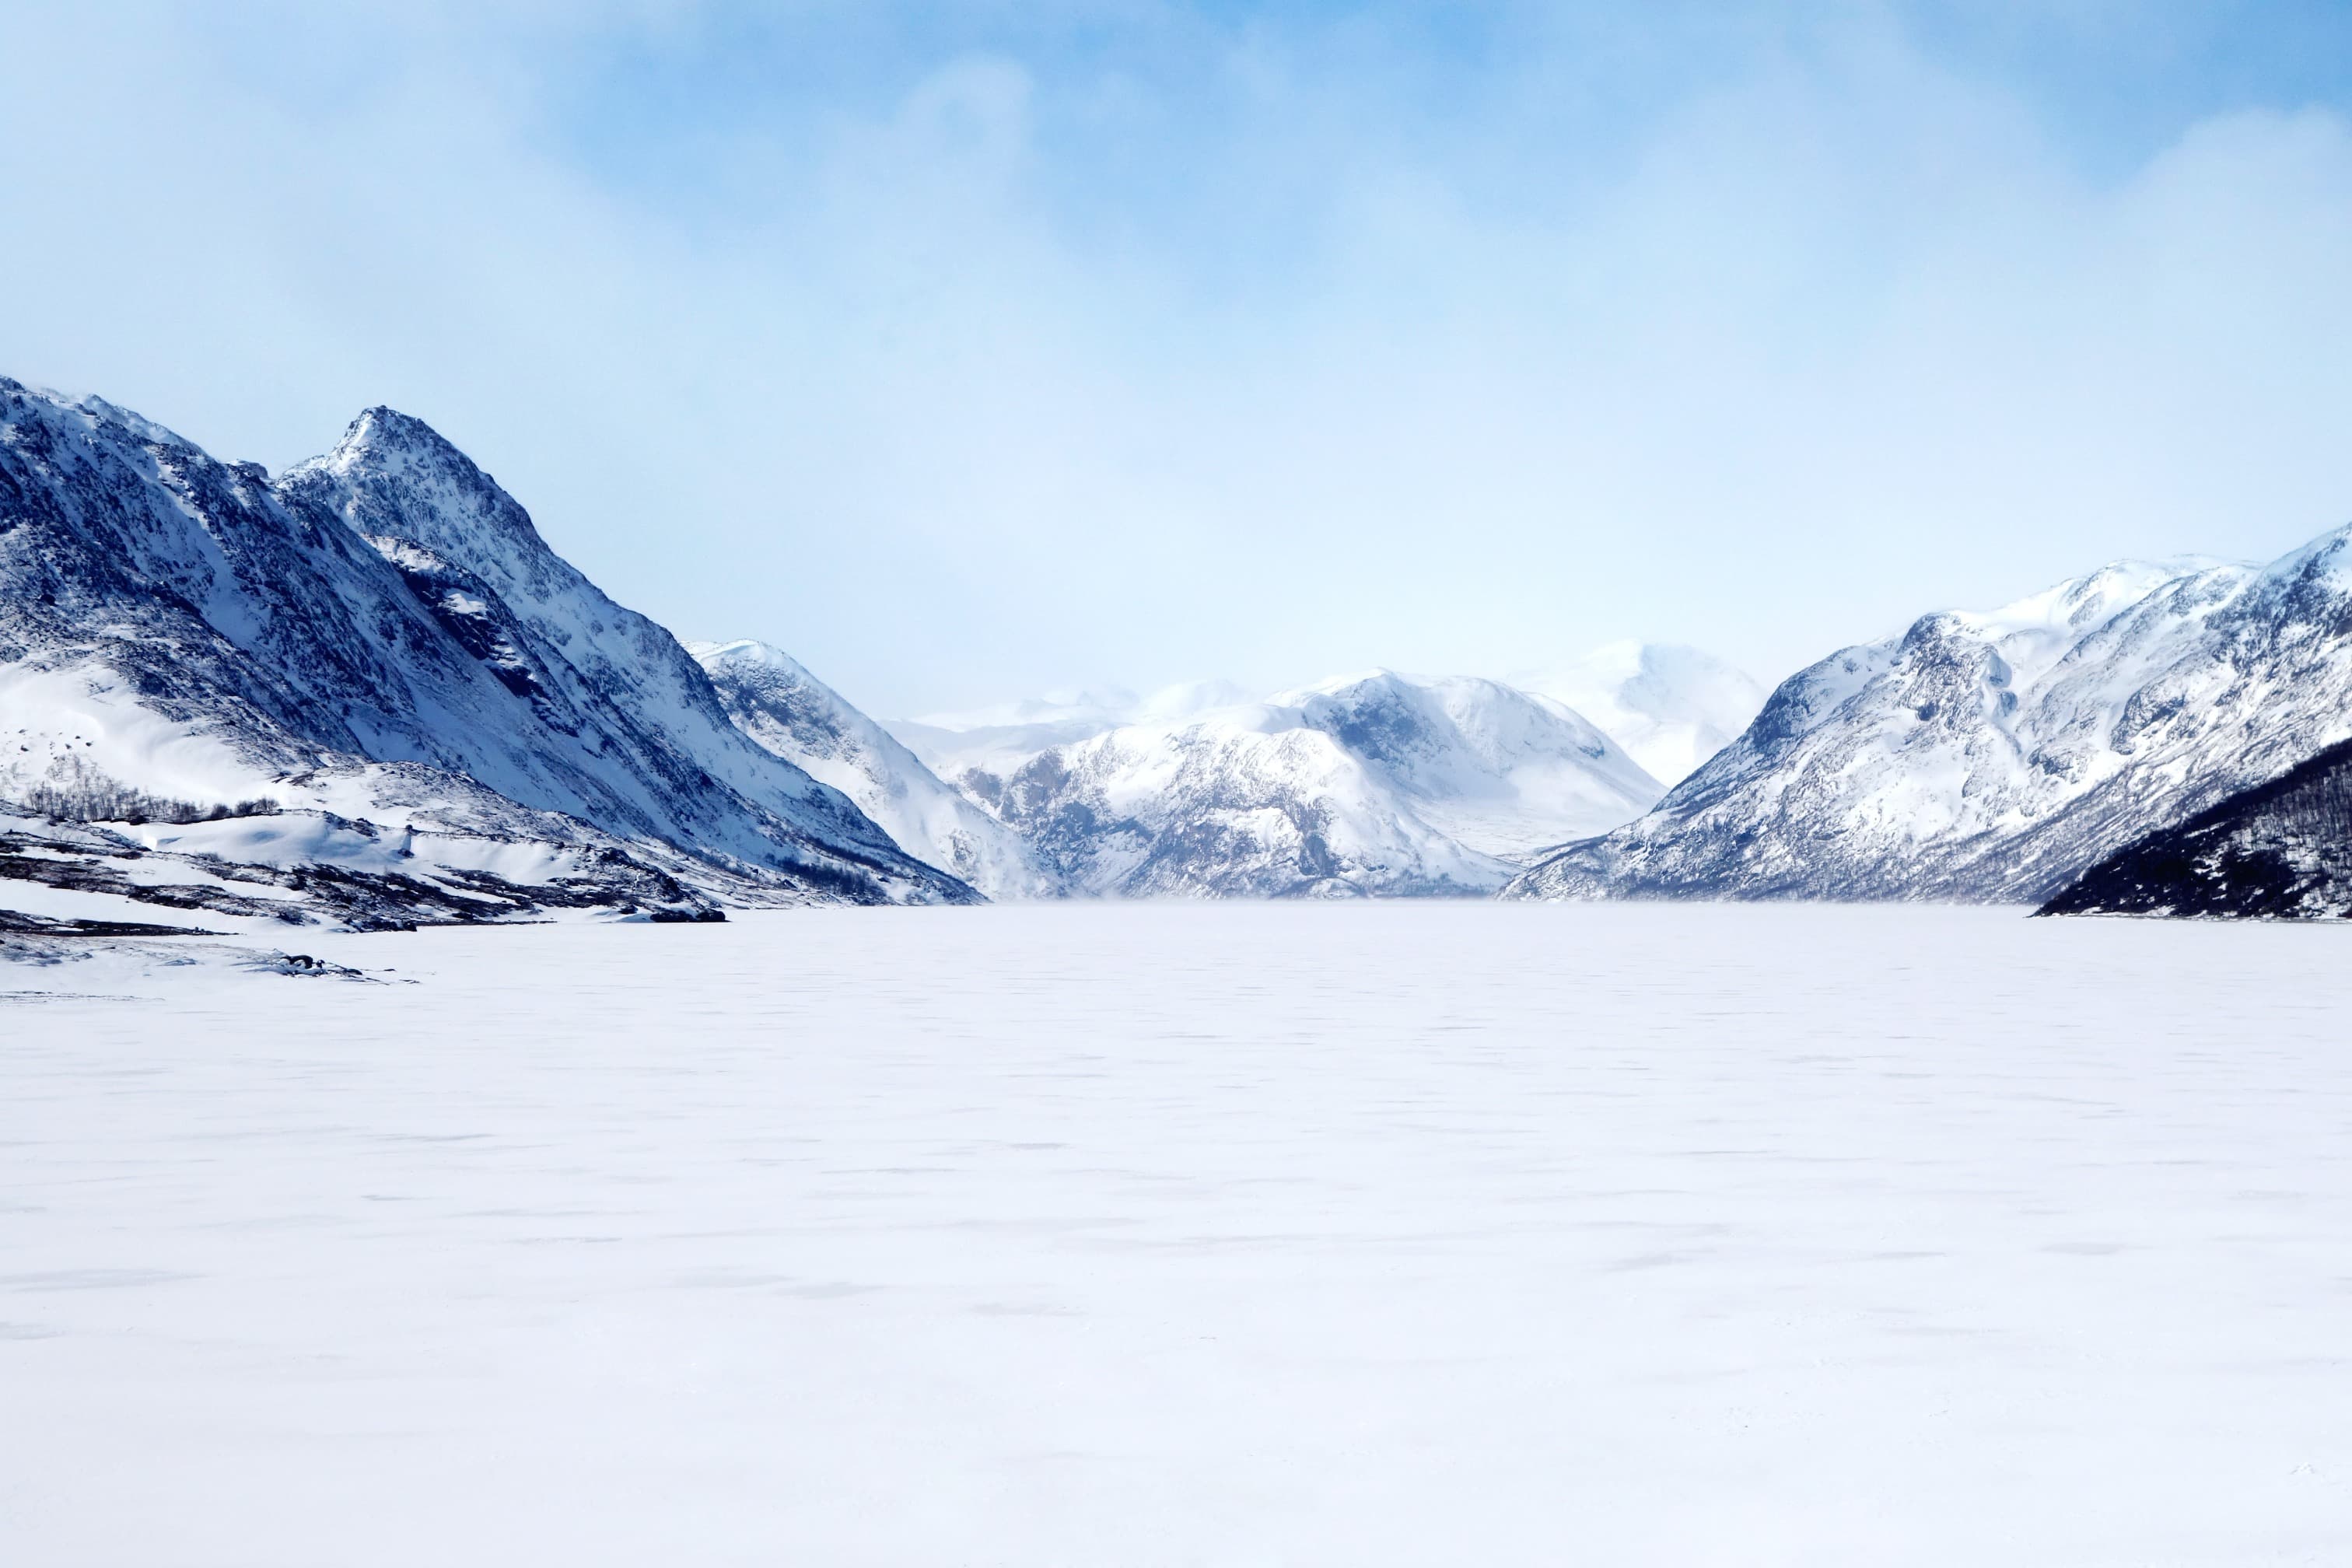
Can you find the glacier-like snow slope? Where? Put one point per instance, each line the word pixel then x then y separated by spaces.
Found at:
pixel 380 634
pixel 1670 707
pixel 1139 1235
pixel 775 700
pixel 1995 756
pixel 1378 784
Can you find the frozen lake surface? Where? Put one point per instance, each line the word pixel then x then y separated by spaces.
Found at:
pixel 1235 1235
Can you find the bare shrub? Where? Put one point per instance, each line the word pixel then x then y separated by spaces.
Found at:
pixel 94 797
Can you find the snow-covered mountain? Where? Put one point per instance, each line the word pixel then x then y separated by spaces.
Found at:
pixel 1995 756
pixel 2280 850
pixel 778 703
pixel 1671 708
pixel 1378 783
pixel 1499 771
pixel 999 739
pixel 381 635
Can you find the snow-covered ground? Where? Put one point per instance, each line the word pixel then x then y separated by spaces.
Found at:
pixel 1140 1233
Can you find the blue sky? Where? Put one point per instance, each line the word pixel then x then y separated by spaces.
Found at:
pixel 969 351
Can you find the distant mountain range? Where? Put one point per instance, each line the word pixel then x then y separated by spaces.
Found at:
pixel 1374 783
pixel 365 692
pixel 1378 783
pixel 1995 756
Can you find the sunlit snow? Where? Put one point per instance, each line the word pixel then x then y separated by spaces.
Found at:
pixel 1148 1234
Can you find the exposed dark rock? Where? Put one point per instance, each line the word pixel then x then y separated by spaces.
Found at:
pixel 2280 850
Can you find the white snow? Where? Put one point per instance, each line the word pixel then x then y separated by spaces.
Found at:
pixel 1155 1234
pixel 1376 781
pixel 57 723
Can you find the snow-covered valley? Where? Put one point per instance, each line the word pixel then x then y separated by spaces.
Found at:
pixel 1154 1233
pixel 1176 784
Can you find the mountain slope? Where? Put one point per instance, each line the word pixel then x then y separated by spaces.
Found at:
pixel 1226 806
pixel 587 667
pixel 1994 756
pixel 1371 785
pixel 2283 849
pixel 380 633
pixel 1671 708
pixel 1501 771
pixel 785 708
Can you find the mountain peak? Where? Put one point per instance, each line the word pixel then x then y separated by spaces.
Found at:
pixel 384 440
pixel 393 474
pixel 746 651
pixel 384 427
pixel 2327 558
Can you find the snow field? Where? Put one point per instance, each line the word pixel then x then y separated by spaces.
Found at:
pixel 1251 1233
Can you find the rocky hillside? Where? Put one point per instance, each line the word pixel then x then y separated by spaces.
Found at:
pixel 2280 850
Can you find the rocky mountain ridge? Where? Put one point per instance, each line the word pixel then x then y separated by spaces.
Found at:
pixel 1994 756
pixel 379 635
pixel 1373 784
